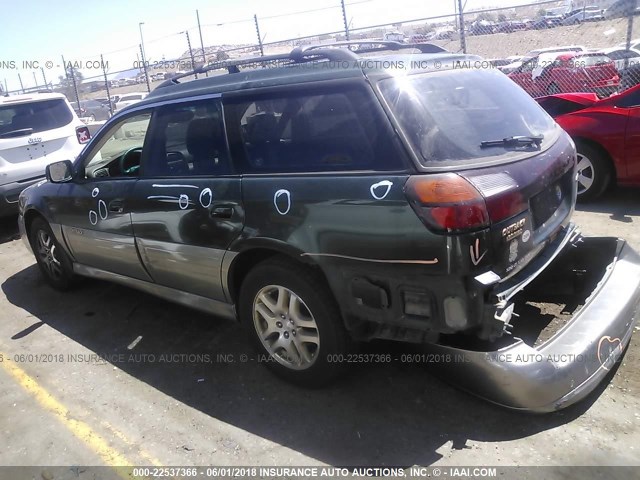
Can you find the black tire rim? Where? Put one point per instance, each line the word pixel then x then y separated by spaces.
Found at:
pixel 46 249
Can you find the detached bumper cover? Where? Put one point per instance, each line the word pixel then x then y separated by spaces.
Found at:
pixel 568 366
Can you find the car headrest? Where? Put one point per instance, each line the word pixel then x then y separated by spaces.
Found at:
pixel 204 137
pixel 261 127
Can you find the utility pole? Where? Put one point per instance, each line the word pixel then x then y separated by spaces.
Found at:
pixel 144 65
pixel 255 18
pixel 463 40
pixel 44 77
pixel 193 60
pixel 204 57
pixel 142 50
pixel 21 85
pixel 106 84
pixel 344 19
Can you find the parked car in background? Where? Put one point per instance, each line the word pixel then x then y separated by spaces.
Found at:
pixel 622 57
pixel 482 27
pixel 548 21
pixel 35 130
pixel 586 14
pixel 158 76
pixel 106 101
pixel 531 54
pixel 607 136
pixel 92 109
pixel 510 26
pixel 552 73
pixel 129 99
pixel 114 83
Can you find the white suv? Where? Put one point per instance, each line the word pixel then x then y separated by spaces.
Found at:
pixel 35 130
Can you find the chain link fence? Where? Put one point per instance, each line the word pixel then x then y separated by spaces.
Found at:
pixel 546 47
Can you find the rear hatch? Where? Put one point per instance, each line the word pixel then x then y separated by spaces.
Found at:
pixel 493 161
pixel 33 134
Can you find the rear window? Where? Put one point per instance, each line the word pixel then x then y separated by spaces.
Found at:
pixel 446 115
pixel 38 116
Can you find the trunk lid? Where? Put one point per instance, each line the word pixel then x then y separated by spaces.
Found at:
pixel 539 190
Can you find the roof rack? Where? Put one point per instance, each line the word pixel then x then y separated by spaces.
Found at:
pixel 308 54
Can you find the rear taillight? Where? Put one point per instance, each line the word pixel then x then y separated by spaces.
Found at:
pixel 450 203
pixel 447 203
pixel 83 134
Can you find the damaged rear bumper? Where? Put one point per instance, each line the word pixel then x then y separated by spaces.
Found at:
pixel 568 366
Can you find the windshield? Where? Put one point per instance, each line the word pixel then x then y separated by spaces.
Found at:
pixel 35 116
pixel 447 115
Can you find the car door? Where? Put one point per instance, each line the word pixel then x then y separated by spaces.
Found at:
pixel 94 208
pixel 187 203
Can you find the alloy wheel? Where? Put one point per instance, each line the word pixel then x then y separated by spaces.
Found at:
pixel 286 327
pixel 586 174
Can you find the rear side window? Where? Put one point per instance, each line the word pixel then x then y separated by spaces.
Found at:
pixel 38 116
pixel 324 131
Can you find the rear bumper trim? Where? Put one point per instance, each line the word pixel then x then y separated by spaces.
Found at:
pixel 568 366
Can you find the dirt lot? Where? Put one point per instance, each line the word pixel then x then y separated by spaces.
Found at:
pixel 61 405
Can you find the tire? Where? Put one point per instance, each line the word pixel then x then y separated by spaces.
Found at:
pixel 277 330
pixel 553 89
pixel 55 265
pixel 594 172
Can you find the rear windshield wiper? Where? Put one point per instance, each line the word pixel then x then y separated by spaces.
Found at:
pixel 17 133
pixel 517 141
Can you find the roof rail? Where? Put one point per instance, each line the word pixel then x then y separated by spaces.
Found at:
pixel 308 54
pixel 295 56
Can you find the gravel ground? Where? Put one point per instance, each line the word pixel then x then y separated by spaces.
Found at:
pixel 185 410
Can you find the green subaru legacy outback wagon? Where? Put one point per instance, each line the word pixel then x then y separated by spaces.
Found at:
pixel 326 197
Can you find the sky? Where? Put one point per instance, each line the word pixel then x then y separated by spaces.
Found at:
pixel 44 30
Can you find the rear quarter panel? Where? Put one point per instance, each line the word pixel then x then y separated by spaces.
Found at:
pixel 605 126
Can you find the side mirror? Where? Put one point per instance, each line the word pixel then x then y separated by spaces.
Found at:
pixel 60 172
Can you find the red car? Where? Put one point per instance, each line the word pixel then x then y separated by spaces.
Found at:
pixel 559 72
pixel 607 136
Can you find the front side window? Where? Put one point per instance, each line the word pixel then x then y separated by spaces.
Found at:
pixel 448 115
pixel 188 140
pixel 34 117
pixel 118 153
pixel 329 131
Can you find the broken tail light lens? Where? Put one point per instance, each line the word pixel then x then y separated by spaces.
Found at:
pixel 83 134
pixel 447 203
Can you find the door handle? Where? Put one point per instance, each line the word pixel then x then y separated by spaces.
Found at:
pixel 116 206
pixel 222 212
